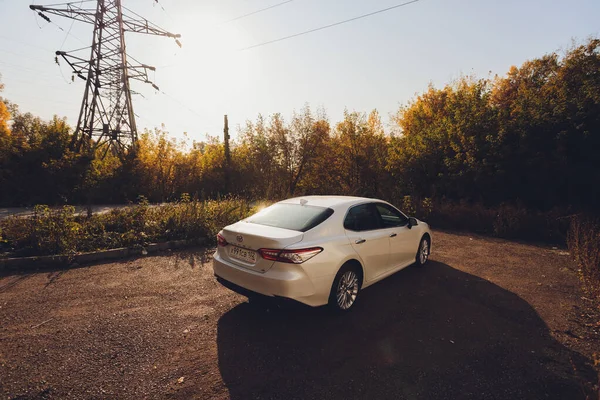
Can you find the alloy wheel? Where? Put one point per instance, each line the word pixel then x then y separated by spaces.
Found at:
pixel 424 254
pixel 347 290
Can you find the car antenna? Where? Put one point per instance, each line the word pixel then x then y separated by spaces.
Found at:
pixel 303 202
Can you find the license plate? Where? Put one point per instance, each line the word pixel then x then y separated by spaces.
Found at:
pixel 238 253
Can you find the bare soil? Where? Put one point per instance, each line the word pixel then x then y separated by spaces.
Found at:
pixel 485 318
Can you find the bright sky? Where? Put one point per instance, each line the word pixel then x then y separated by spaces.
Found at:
pixel 379 62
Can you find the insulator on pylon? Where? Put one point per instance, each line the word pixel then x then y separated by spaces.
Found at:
pixel 106 75
pixel 43 16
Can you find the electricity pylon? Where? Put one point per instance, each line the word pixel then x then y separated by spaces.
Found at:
pixel 106 117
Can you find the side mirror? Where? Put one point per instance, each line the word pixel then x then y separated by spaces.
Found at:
pixel 412 221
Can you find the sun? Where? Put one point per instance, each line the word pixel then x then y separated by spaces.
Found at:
pixel 211 51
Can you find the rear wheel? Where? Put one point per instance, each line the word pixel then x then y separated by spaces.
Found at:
pixel 423 252
pixel 345 288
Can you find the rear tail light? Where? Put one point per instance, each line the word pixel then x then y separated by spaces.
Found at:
pixel 290 256
pixel 221 240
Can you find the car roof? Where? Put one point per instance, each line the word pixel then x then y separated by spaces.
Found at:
pixel 329 201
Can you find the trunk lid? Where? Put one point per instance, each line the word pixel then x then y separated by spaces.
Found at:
pixel 246 238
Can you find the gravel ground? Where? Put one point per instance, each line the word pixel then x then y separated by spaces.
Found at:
pixel 485 318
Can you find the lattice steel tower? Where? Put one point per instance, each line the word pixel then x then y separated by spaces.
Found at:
pixel 106 117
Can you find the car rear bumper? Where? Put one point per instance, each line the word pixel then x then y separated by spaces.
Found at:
pixel 281 280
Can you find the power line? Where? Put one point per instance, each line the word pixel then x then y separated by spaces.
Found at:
pixel 106 115
pixel 69 31
pixel 22 68
pixel 329 26
pixel 165 11
pixel 255 12
pixel 186 107
pixel 181 104
pixel 41 82
pixel 52 100
pixel 22 55
pixel 25 43
pixel 26 68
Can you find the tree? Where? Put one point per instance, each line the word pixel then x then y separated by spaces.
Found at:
pixel 4 117
pixel 361 149
pixel 303 138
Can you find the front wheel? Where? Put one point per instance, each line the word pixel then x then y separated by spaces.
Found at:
pixel 345 289
pixel 423 252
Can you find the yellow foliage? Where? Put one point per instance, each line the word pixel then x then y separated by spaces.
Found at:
pixel 4 116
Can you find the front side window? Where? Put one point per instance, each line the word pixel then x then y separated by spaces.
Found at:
pixel 391 217
pixel 363 217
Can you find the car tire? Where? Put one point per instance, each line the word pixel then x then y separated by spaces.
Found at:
pixel 345 289
pixel 423 251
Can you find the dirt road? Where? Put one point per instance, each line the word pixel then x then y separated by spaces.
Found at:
pixel 484 319
pixel 79 210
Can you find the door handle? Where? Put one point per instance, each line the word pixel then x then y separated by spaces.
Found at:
pixel 359 241
pixel 393 235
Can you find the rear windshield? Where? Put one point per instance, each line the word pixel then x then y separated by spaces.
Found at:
pixel 291 216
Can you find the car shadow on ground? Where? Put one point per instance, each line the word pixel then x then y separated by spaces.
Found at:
pixel 427 333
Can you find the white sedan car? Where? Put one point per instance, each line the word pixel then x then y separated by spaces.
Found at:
pixel 319 249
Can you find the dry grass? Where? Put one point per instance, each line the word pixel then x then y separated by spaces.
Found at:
pixel 62 232
pixel 584 245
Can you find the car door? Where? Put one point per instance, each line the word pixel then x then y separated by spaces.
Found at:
pixel 404 241
pixel 363 228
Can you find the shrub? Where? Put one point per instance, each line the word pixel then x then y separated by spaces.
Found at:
pixel 584 245
pixel 506 221
pixel 408 206
pixel 62 232
pixel 517 222
pixel 426 208
pixel 46 232
pixel 461 216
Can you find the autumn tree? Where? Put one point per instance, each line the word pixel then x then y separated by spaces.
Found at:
pixel 253 157
pixel 4 116
pixel 528 137
pixel 361 149
pixel 38 166
pixel 298 144
pixel 273 157
pixel 4 133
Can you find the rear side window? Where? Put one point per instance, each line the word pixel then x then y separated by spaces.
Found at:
pixel 295 217
pixel 363 217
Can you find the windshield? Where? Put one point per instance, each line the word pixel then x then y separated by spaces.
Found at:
pixel 291 216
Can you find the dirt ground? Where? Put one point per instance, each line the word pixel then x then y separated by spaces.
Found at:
pixel 79 210
pixel 485 318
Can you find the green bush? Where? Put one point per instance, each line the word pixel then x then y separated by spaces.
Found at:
pixel 426 208
pixel 46 232
pixel 584 245
pixel 408 206
pixel 60 231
